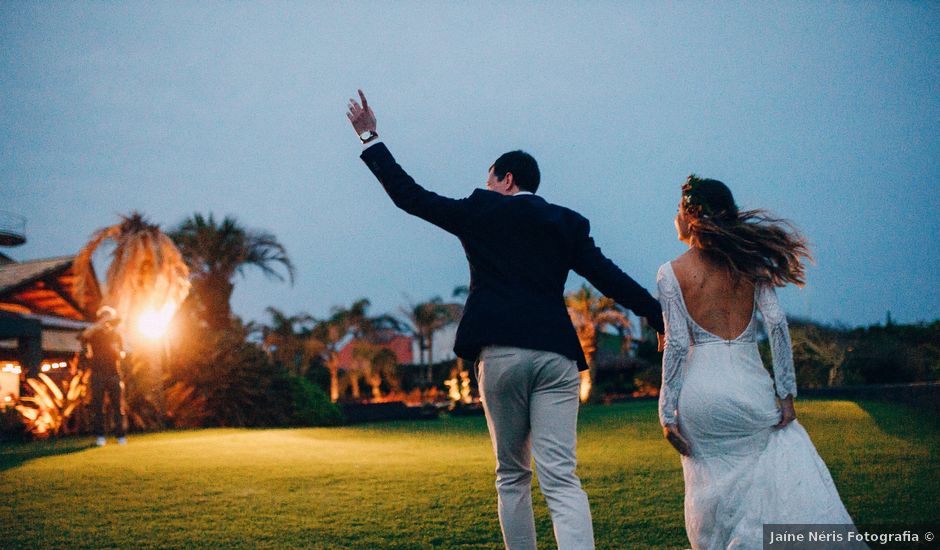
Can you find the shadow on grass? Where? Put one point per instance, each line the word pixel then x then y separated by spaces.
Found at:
pixel 15 454
pixel 908 422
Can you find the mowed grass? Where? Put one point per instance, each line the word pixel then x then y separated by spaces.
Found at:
pixel 415 485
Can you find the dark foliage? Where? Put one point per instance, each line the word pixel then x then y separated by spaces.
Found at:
pixel 12 427
pixel 307 403
pixel 238 384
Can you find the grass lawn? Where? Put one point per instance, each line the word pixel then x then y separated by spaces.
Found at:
pixel 415 485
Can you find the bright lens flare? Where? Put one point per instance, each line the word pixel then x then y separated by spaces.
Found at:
pixel 153 323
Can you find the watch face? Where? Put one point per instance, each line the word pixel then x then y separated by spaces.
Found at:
pixel 365 135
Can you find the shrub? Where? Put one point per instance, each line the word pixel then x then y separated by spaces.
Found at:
pixel 48 409
pixel 12 427
pixel 308 404
pixel 223 379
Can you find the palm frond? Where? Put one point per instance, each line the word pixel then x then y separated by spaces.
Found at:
pixel 29 413
pixel 87 293
pixel 41 396
pixel 53 387
pixel 146 269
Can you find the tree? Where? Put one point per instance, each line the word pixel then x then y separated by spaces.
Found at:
pixel 460 291
pixel 426 318
pixel 327 335
pixel 285 342
pixel 146 270
pixel 216 252
pixel 591 313
pixel 147 279
pixel 373 361
pixel 819 353
pixel 231 381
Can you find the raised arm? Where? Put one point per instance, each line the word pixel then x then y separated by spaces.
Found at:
pixel 781 348
pixel 604 274
pixel 444 212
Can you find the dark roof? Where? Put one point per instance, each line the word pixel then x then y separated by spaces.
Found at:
pixel 19 274
pixel 40 287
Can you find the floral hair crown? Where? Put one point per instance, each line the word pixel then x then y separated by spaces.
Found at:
pixel 692 200
pixel 699 198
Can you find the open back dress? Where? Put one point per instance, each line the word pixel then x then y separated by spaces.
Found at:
pixel 742 472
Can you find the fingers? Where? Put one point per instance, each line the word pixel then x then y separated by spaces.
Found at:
pixel 679 444
pixel 678 441
pixel 784 420
pixel 685 450
pixel 362 96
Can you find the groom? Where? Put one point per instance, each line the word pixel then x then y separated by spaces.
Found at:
pixel 520 249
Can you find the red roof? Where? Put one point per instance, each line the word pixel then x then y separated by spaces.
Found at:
pixel 399 344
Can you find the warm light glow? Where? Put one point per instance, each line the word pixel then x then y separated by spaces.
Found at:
pixel 585 390
pixel 46 367
pixel 11 367
pixel 465 387
pixel 453 390
pixel 153 323
pixel 459 390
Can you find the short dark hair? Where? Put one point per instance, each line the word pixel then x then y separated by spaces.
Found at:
pixel 524 169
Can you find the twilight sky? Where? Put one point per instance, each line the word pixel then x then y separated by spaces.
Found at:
pixel 826 113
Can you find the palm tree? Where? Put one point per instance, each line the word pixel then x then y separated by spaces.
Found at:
pixel 426 318
pixel 591 313
pixel 146 270
pixel 147 278
pixel 460 291
pixel 382 365
pixel 327 335
pixel 216 252
pixel 284 342
pixel 374 361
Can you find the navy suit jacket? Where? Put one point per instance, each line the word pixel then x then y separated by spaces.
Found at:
pixel 520 249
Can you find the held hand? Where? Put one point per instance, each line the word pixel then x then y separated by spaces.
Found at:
pixel 787 412
pixel 361 116
pixel 660 342
pixel 681 444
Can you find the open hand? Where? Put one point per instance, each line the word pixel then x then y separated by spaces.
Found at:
pixel 681 444
pixel 787 412
pixel 361 116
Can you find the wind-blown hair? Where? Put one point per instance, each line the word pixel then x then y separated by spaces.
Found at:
pixel 750 244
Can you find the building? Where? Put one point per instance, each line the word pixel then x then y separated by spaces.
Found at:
pixel 39 321
pixel 397 343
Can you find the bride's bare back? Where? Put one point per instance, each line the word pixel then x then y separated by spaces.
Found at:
pixel 711 296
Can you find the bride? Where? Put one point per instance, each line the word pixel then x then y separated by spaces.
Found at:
pixel 745 458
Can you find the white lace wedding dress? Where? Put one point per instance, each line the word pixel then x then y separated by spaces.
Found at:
pixel 742 472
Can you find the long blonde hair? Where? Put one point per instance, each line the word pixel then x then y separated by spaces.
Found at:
pixel 750 244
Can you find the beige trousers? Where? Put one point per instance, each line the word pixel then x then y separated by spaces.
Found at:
pixel 530 399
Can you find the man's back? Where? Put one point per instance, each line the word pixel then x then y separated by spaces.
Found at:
pixel 520 249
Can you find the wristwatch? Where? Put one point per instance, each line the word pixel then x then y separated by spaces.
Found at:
pixel 367 136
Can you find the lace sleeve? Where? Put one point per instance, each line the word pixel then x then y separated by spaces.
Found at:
pixel 781 348
pixel 677 345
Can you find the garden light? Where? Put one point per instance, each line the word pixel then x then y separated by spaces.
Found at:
pixel 153 323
